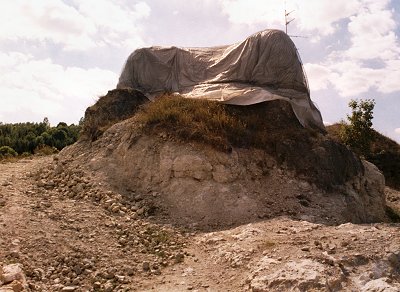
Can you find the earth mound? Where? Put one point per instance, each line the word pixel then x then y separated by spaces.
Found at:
pixel 212 175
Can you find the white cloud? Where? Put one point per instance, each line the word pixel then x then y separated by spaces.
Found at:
pixel 321 15
pixel 351 78
pixel 318 75
pixel 32 88
pixel 83 26
pixel 254 11
pixel 311 15
pixel 372 35
pixel 397 131
pixel 372 40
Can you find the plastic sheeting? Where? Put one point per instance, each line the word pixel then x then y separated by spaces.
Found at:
pixel 263 67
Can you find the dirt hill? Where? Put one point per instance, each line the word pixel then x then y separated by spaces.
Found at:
pixel 140 204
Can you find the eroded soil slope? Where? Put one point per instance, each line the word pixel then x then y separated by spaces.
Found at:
pixel 72 232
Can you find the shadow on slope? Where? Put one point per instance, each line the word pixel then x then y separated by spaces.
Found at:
pixel 385 154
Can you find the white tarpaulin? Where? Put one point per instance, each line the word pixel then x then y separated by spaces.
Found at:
pixel 264 67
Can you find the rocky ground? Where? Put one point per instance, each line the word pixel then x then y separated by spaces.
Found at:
pixel 64 229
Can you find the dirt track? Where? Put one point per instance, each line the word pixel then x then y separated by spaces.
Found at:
pixel 76 243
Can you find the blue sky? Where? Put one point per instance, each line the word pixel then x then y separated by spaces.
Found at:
pixel 58 56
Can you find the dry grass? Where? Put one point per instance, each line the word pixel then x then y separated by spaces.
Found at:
pixel 193 120
pixel 221 126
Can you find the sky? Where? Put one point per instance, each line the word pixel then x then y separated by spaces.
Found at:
pixel 58 56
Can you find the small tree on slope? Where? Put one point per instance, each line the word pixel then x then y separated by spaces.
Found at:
pixel 358 133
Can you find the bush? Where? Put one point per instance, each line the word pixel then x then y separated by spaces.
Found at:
pixel 358 134
pixel 7 151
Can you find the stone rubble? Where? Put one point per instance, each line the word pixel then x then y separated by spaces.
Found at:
pixel 12 278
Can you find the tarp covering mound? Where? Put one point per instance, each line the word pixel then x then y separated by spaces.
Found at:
pixel 263 67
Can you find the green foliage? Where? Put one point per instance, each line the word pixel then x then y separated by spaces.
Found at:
pixel 385 154
pixel 28 137
pixel 6 151
pixel 358 134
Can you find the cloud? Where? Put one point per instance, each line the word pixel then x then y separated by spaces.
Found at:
pixel 318 76
pixel 351 78
pixel 321 15
pixel 372 35
pixel 369 61
pixel 34 88
pixel 79 27
pixel 317 16
pixel 397 131
pixel 254 11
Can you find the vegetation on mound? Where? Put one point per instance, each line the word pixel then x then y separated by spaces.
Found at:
pixel 222 126
pixel 360 137
pixel 358 133
pixel 194 120
pixel 24 139
pixel 383 152
pixel 117 105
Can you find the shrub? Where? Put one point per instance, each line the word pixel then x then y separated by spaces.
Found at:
pixel 7 151
pixel 358 134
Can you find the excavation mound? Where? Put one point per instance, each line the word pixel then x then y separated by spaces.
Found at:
pixel 210 165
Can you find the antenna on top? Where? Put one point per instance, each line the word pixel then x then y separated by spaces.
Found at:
pixel 286 19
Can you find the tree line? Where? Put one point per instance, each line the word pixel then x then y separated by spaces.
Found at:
pixel 26 138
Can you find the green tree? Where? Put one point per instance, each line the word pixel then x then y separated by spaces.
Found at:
pixel 358 133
